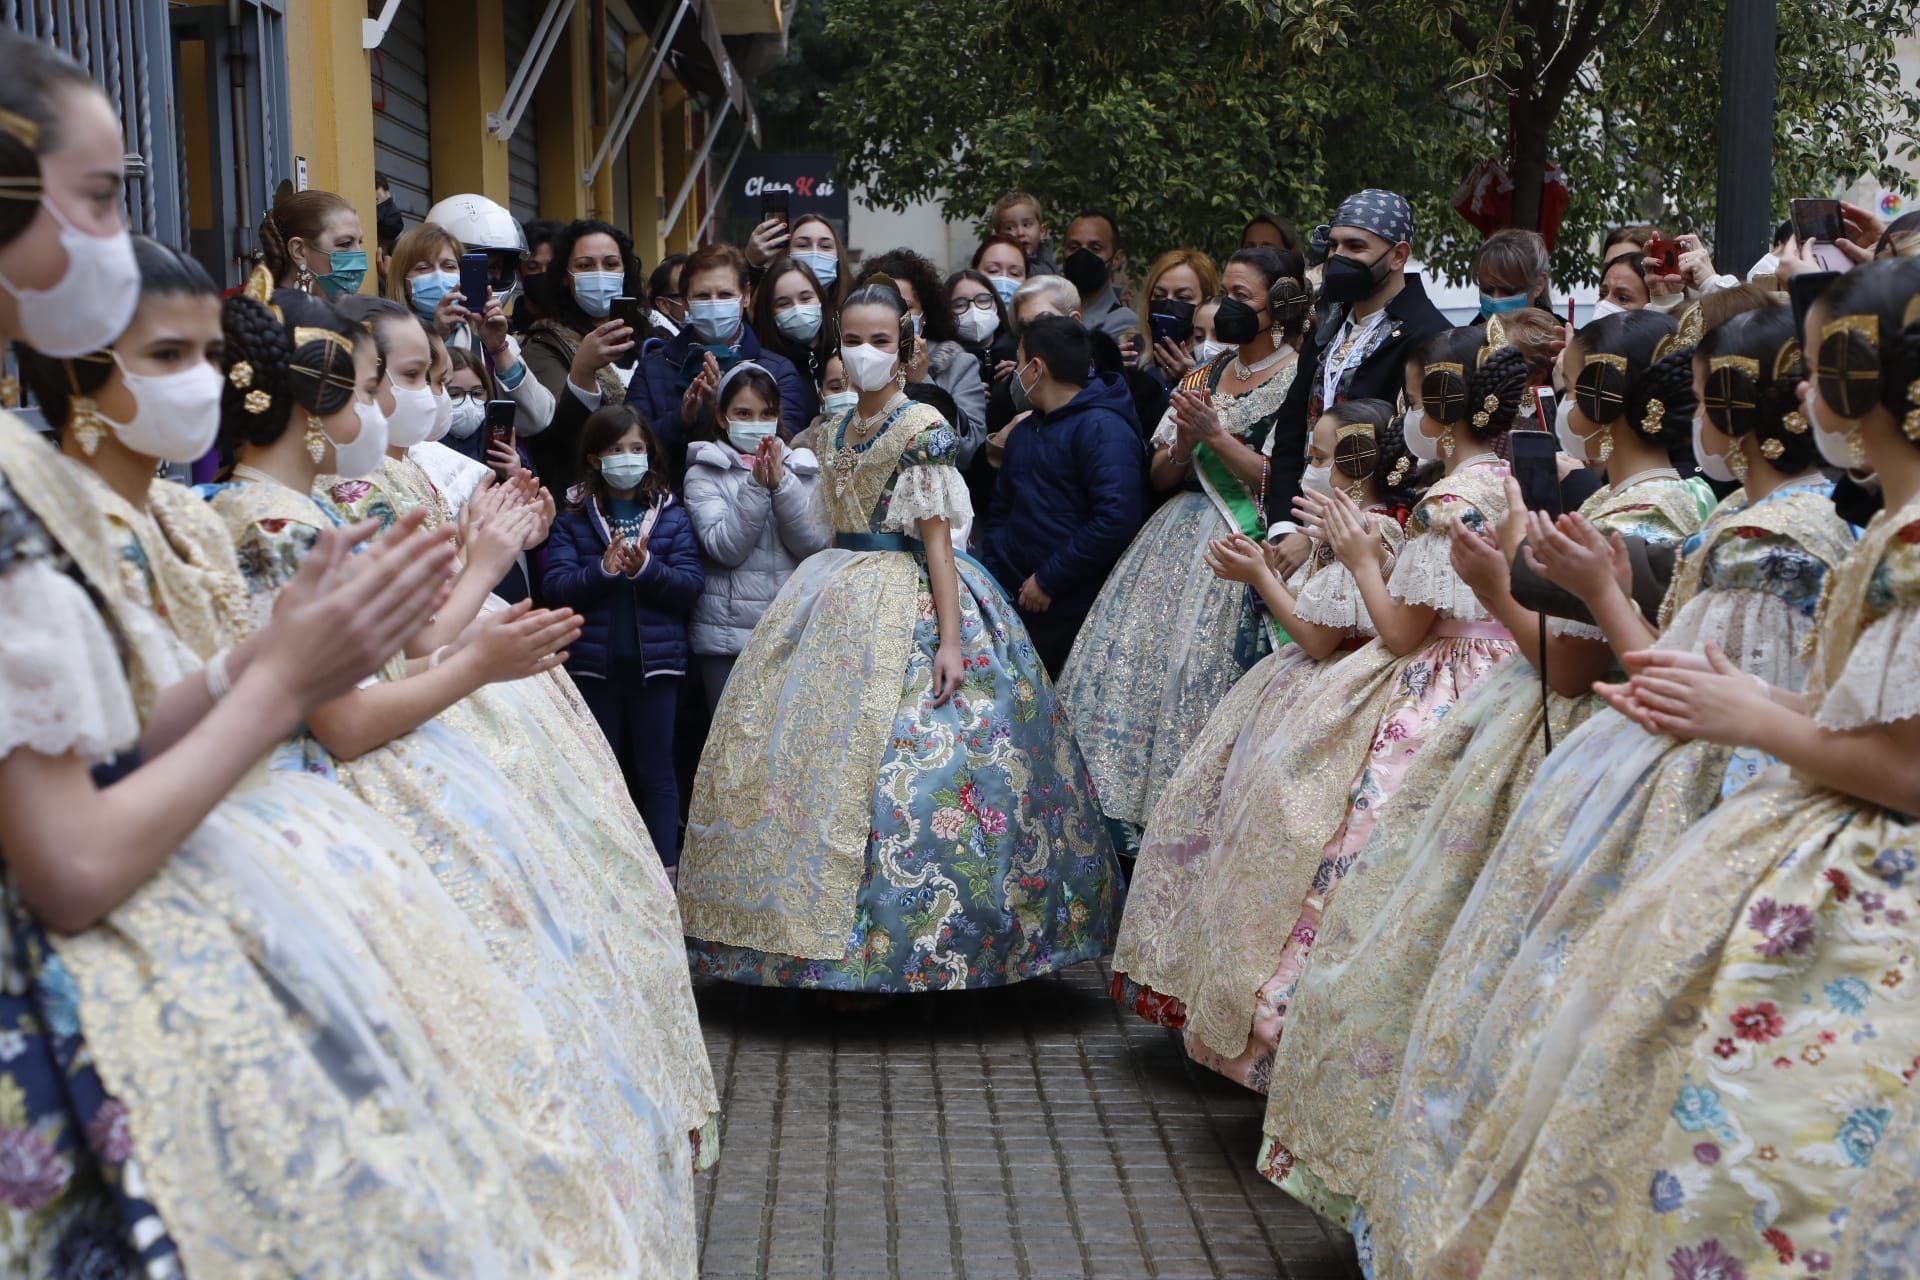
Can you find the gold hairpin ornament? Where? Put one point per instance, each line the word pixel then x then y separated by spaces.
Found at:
pixel 1399 471
pixel 1771 449
pixel 21 128
pixel 1485 415
pixel 258 401
pixel 1650 421
pixel 28 188
pixel 240 375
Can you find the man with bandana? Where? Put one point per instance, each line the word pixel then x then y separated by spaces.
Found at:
pixel 1376 315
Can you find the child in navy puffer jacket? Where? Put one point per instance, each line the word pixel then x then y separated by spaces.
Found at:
pixel 624 556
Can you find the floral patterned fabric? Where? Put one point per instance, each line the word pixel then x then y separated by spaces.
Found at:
pixel 1454 802
pixel 625 1192
pixel 985 860
pixel 71 1196
pixel 1332 758
pixel 1609 800
pixel 1165 639
pixel 1162 937
pixel 1736 1031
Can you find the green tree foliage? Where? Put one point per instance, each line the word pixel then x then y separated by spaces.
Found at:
pixel 1186 118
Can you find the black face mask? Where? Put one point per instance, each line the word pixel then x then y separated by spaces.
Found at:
pixel 1236 322
pixel 1346 279
pixel 1084 268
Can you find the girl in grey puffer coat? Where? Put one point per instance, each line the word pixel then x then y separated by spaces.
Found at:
pixel 752 537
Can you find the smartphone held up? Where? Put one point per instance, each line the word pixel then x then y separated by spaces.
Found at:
pixel 498 425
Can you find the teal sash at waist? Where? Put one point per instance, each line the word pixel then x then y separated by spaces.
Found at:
pixel 878 542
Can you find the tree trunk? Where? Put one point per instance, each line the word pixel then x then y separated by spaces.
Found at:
pixel 1528 126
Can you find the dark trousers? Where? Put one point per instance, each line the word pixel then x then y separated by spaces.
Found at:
pixel 637 717
pixel 1053 633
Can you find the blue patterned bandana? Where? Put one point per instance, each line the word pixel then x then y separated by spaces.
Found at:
pixel 1383 213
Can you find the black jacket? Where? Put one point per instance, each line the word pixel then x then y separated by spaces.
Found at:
pixel 1381 376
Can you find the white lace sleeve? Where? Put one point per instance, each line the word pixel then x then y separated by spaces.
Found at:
pixel 1763 634
pixel 932 491
pixel 1423 574
pixel 1332 598
pixel 1166 433
pixel 1577 630
pixel 61 686
pixel 1881 681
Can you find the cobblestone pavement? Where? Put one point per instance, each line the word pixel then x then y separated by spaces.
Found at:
pixel 1034 1131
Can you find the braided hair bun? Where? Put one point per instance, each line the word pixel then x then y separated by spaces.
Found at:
pixel 1869 344
pixel 257 403
pixel 1751 367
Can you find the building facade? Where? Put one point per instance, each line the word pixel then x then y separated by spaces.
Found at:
pixel 626 110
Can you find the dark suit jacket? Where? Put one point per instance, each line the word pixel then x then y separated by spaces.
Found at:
pixel 1381 376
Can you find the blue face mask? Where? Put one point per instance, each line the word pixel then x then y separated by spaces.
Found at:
pixel 825 266
pixel 714 319
pixel 800 322
pixel 427 290
pixel 596 290
pixel 346 268
pixel 1006 287
pixel 623 471
pixel 1502 306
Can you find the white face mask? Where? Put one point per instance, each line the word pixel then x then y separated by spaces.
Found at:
pixel 442 416
pixel 976 326
pixel 88 307
pixel 746 435
pixel 1207 350
pixel 1837 447
pixel 836 403
pixel 1572 443
pixel 1419 443
pixel 1712 465
pixel 361 456
pixel 1318 480
pixel 1604 308
pixel 467 416
pixel 868 367
pixel 175 415
pixel 414 410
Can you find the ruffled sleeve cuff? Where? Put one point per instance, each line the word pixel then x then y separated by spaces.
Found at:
pixel 1166 433
pixel 61 685
pixel 1574 630
pixel 1881 681
pixel 1423 574
pixel 1765 635
pixel 932 492
pixel 1331 598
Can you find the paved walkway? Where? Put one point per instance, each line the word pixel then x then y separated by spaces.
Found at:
pixel 1032 1132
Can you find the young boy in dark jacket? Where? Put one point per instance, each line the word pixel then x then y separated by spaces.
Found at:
pixel 623 556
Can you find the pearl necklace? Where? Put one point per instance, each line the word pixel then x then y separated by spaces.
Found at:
pixel 1242 370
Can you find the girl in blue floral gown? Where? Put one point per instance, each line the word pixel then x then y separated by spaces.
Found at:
pixel 890 798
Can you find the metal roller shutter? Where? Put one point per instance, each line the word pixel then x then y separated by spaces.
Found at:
pixel 402 149
pixel 523 149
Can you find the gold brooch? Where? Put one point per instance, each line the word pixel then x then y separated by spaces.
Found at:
pixel 241 375
pixel 1650 423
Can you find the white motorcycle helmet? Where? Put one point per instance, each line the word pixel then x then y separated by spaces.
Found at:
pixel 481 225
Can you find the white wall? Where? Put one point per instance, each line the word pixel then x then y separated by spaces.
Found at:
pixel 921 227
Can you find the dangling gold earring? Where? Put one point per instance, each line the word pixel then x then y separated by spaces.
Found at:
pixel 1606 444
pixel 1278 334
pixel 1446 442
pixel 1737 461
pixel 304 280
pixel 87 425
pixel 316 441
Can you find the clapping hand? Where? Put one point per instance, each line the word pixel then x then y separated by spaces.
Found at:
pixel 769 464
pixel 1238 559
pixel 700 393
pixel 1573 554
pixel 1717 704
pixel 1348 532
pixel 623 558
pixel 1477 559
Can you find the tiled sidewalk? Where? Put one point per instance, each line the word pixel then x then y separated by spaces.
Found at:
pixel 1032 1132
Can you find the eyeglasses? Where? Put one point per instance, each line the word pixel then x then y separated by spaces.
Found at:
pixel 476 394
pixel 978 302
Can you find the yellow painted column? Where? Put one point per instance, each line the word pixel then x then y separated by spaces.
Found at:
pixel 679 149
pixel 467 78
pixel 565 111
pixel 330 93
pixel 647 193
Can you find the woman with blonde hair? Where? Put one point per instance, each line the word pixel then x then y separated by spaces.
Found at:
pixel 1177 283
